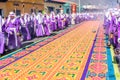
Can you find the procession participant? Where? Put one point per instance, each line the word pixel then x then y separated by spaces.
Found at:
pixel 69 19
pixel 118 33
pixel 2 37
pixel 117 49
pixel 73 18
pixel 115 27
pixel 60 21
pixel 46 24
pixel 112 28
pixel 33 25
pixel 80 18
pixel 39 28
pixel 24 29
pixel 63 20
pixel 107 19
pixel 12 29
pixel 53 21
pixel 76 18
pixel 66 20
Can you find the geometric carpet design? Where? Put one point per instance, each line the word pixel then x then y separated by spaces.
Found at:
pixel 75 54
pixel 101 66
pixel 98 67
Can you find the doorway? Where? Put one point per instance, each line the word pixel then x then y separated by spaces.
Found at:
pixel 1 12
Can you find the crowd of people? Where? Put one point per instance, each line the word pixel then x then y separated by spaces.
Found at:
pixel 16 29
pixel 112 30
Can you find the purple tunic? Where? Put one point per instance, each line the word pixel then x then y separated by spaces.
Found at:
pixel 66 21
pixel 53 24
pixel 118 38
pixel 113 30
pixel 25 30
pixel 46 23
pixel 2 37
pixel 39 27
pixel 60 22
pixel 13 31
pixel 2 42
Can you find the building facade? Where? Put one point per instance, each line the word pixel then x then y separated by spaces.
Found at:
pixel 63 6
pixel 53 6
pixel 21 6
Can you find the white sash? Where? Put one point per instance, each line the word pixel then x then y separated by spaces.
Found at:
pixel 15 34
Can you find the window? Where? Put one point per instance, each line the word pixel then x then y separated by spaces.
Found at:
pixel 50 9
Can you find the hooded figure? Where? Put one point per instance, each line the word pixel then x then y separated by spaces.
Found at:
pixel 69 19
pixel 107 19
pixel 66 20
pixel 33 25
pixel 76 18
pixel 118 33
pixel 39 27
pixel 12 29
pixel 25 27
pixel 2 38
pixel 46 24
pixel 115 29
pixel 53 22
pixel 73 18
pixel 60 21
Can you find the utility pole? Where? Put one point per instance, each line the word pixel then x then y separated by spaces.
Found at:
pixel 118 1
pixel 79 6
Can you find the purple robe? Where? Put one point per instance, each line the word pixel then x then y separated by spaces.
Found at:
pixel 53 24
pixel 118 38
pixel 69 19
pixel 66 21
pixel 60 22
pixel 113 30
pixel 24 29
pixel 76 19
pixel 46 26
pixel 32 24
pixel 106 25
pixel 2 37
pixel 112 27
pixel 2 42
pixel 13 31
pixel 39 27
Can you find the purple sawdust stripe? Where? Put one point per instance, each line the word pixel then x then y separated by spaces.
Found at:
pixel 89 58
pixel 61 34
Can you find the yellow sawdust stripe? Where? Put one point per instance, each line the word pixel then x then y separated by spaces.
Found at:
pixel 116 69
